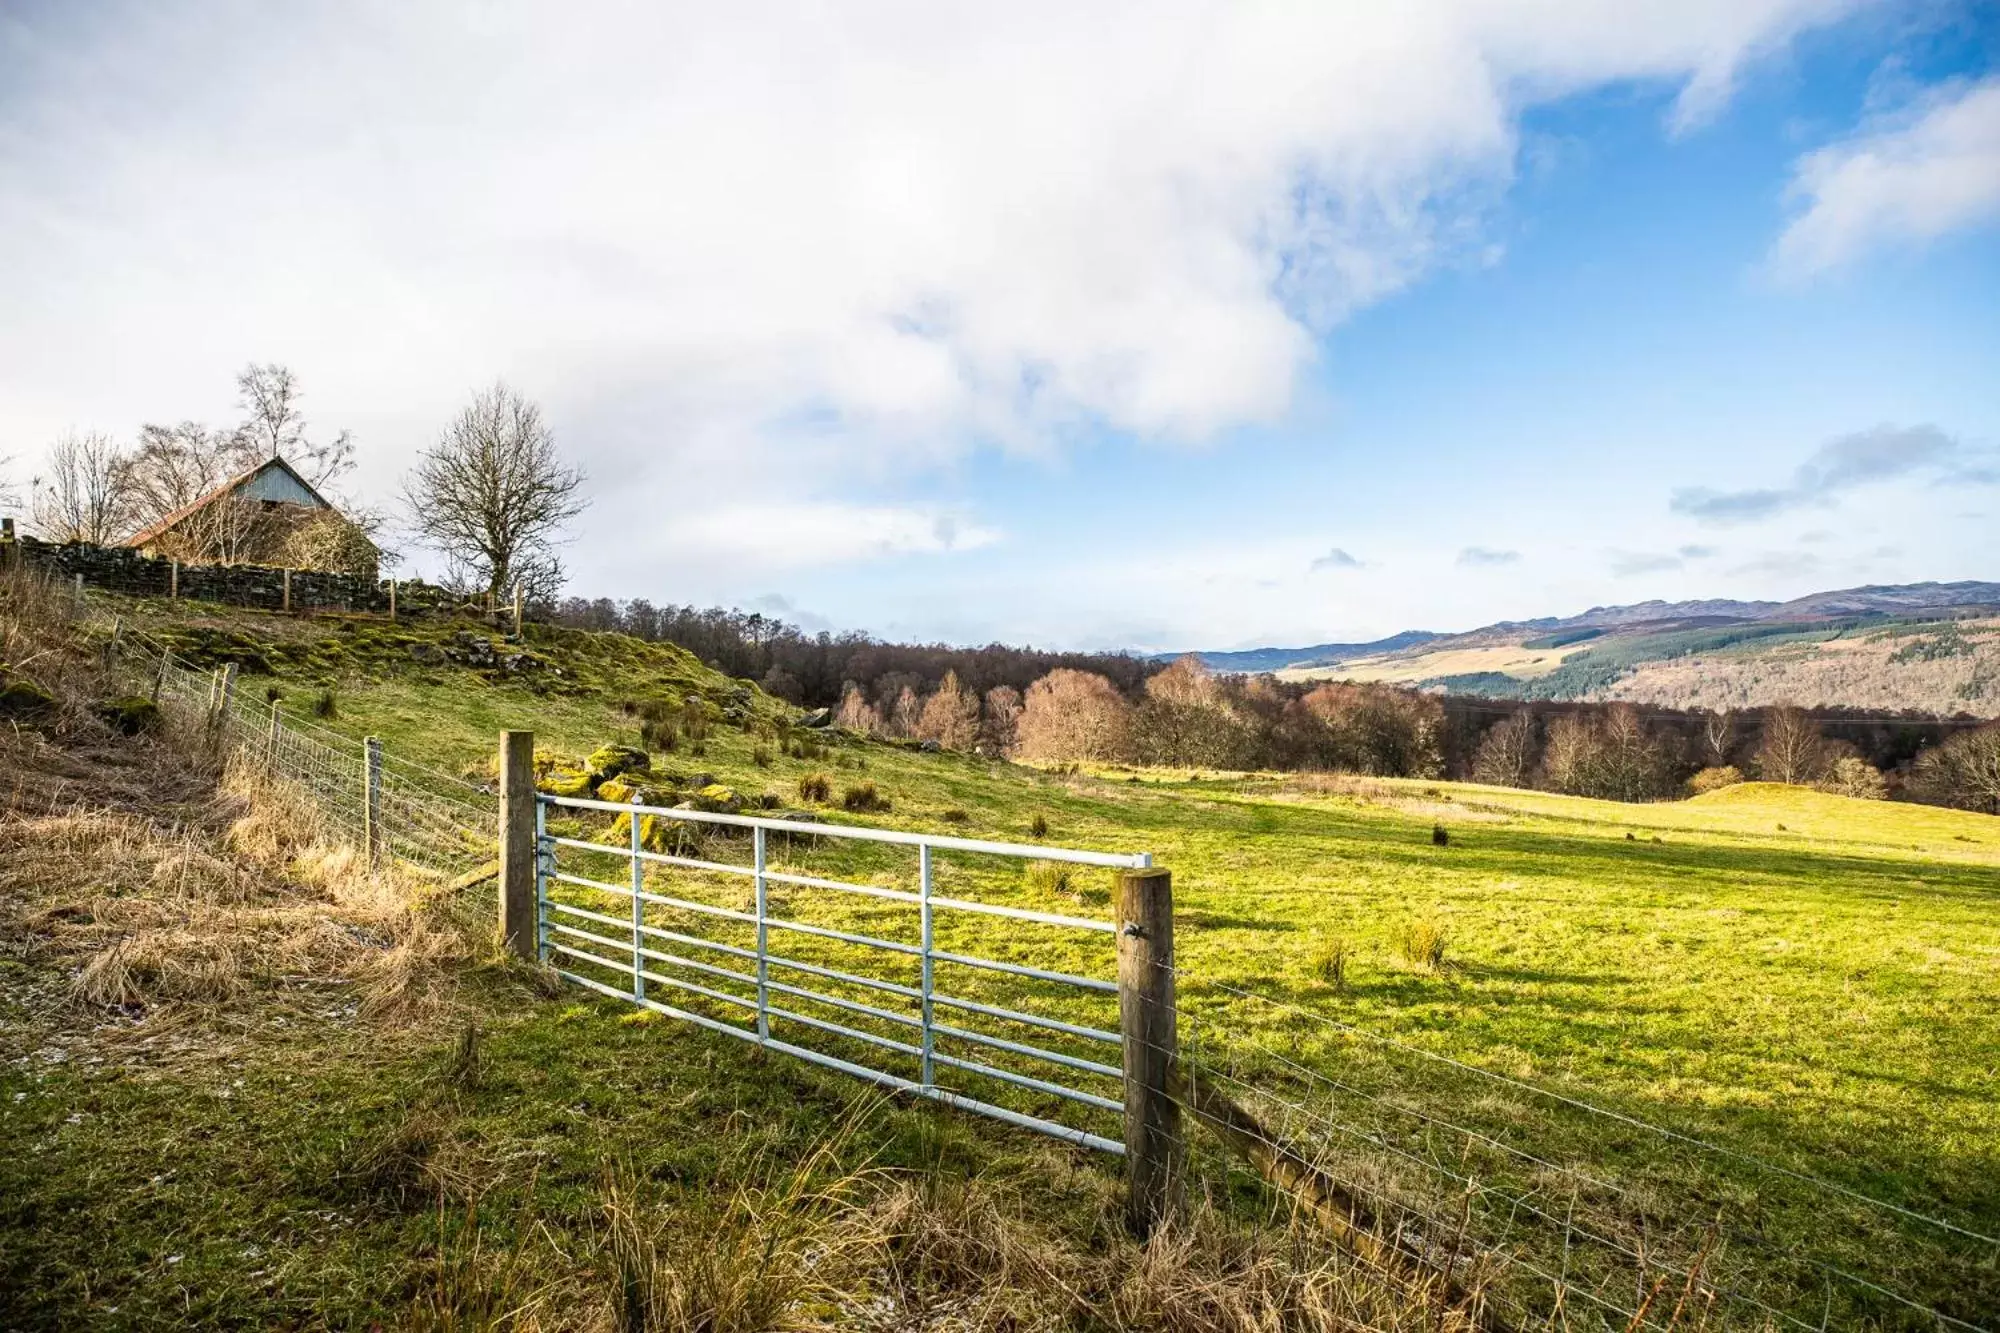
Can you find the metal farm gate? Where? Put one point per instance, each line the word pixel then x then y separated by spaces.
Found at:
pixel 781 932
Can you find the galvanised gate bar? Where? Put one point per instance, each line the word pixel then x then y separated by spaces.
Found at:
pixel 628 953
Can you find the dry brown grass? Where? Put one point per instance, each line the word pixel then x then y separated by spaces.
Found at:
pixel 209 898
pixel 825 1247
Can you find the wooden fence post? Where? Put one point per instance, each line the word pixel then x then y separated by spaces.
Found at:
pixel 271 740
pixel 174 582
pixel 112 644
pixel 1155 1153
pixel 160 676
pixel 392 599
pixel 517 845
pixel 225 697
pixel 288 591
pixel 374 836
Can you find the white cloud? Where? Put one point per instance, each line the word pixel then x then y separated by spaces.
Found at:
pixel 1932 170
pixel 782 536
pixel 1845 463
pixel 1334 559
pixel 817 247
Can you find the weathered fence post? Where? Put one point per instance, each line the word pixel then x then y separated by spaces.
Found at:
pixel 288 591
pixel 517 844
pixel 160 675
pixel 79 592
pixel 374 836
pixel 1155 1153
pixel 271 740
pixel 225 698
pixel 111 645
pixel 174 582
pixel 392 599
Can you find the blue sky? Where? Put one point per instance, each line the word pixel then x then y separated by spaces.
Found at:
pixel 1160 327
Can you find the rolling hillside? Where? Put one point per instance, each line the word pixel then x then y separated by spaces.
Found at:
pixel 1933 647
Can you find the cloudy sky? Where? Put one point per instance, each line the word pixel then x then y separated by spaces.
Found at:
pixel 1149 324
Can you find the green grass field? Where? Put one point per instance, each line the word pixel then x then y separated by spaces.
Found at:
pixel 1808 979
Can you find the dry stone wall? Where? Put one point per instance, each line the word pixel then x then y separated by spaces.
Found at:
pixel 123 570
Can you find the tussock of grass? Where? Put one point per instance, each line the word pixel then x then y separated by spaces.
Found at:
pixel 1422 944
pixel 1328 960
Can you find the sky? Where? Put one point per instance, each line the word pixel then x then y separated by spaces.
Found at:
pixel 1155 325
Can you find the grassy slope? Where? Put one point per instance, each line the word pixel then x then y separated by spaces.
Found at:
pixel 1803 976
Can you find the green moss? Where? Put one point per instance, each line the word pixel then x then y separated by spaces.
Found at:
pixel 568 782
pixel 130 715
pixel 23 700
pixel 611 760
pixel 718 799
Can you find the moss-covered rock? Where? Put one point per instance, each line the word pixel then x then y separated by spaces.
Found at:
pixel 650 788
pixel 130 715
pixel 717 799
pixel 612 760
pixel 655 833
pixel 568 782
pixel 24 701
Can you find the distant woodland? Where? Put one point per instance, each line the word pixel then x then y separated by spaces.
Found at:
pixel 1112 708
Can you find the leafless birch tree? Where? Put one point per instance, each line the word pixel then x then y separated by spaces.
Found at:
pixel 273 425
pixel 83 496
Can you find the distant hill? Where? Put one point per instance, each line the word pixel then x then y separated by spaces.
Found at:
pixel 1932 647
pixel 1254 660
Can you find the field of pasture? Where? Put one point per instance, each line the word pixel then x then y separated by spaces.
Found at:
pixel 1801 977
pixel 1498 985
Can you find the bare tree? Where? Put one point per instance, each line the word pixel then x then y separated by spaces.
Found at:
pixel 274 426
pixel 1572 755
pixel 1717 739
pixel 1851 775
pixel 173 466
pixel 856 713
pixel 492 496
pixel 84 497
pixel 1074 715
pixel 951 715
pixel 1963 772
pixel 999 728
pixel 1187 718
pixel 1790 748
pixel 1506 756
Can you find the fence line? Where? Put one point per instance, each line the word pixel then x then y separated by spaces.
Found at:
pixel 431 820
pixel 1631 1121
pixel 1730 1257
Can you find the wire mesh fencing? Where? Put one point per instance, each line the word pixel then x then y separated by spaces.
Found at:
pixel 383 804
pixel 1549 1209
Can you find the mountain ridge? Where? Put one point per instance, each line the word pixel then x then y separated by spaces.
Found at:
pixel 1884 599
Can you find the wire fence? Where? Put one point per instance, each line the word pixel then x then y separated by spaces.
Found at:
pixel 391 807
pixel 1555 1211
